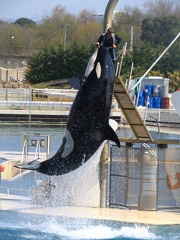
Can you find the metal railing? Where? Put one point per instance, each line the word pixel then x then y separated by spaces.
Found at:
pixel 36 142
pixel 29 99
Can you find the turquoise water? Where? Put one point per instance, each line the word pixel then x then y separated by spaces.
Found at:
pixel 14 226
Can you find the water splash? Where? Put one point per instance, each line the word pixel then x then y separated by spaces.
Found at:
pixel 19 227
pixel 138 232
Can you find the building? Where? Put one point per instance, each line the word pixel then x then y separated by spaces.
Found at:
pixel 100 17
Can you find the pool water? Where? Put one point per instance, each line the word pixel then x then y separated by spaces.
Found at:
pixel 15 226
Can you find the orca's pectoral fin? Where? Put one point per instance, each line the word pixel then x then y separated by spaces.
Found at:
pixel 77 82
pixel 111 135
pixel 34 165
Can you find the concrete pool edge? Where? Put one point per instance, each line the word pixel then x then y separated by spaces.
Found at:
pixel 107 214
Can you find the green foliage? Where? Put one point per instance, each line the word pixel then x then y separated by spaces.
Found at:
pixel 174 83
pixel 145 55
pixel 160 30
pixel 25 22
pixel 55 63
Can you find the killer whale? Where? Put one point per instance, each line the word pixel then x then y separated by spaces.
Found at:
pixel 88 121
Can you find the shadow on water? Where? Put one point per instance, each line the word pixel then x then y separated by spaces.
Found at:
pixel 20 226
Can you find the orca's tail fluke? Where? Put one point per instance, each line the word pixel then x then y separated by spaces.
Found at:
pixel 34 165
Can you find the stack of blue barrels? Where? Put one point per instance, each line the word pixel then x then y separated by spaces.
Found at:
pixel 154 96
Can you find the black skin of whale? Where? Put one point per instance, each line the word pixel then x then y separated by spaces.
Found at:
pixel 88 120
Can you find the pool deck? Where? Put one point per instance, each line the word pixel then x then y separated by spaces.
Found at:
pixel 12 203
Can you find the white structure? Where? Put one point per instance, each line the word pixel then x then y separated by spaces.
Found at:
pixel 100 17
pixel 11 74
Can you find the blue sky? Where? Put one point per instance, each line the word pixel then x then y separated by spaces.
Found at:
pixel 36 9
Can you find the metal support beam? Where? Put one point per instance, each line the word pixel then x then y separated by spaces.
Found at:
pixel 109 12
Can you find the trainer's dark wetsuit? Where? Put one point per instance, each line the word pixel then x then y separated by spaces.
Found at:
pixel 108 41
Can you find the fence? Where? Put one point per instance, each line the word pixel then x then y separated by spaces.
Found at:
pixel 144 178
pixel 36 99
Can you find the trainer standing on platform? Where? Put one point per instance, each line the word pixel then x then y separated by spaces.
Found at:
pixel 109 40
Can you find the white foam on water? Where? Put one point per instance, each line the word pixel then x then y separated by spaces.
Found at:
pixel 93 232
pixel 138 232
pixel 104 232
pixel 33 237
pixel 80 232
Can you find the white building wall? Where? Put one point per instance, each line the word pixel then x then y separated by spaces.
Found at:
pixel 8 74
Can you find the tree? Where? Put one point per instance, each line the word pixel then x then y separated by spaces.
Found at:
pixel 48 34
pixel 160 31
pixel 125 20
pixel 55 63
pixel 85 17
pixel 25 22
pixel 60 45
pixel 12 40
pixel 162 8
pixel 52 30
pixel 88 33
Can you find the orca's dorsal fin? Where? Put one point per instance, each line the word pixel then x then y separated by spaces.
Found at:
pixel 111 135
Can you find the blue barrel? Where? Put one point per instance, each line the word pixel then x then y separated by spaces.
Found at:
pixel 148 90
pixel 151 102
pixel 141 93
pixel 157 102
pixel 141 101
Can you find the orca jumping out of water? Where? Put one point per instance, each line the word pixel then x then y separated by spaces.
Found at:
pixel 88 121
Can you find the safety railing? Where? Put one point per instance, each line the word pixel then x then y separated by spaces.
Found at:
pixel 24 99
pixel 33 144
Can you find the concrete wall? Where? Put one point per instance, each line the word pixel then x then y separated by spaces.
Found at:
pixel 8 74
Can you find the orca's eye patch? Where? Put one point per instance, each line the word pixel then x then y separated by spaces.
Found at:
pixel 98 70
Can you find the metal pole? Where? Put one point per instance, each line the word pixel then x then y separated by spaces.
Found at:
pixel 103 176
pixel 155 62
pixel 157 121
pixel 65 35
pixel 12 37
pixel 131 44
pixel 48 145
pixel 109 12
pixel 130 75
pixel 30 99
pixel 123 54
pixel 141 187
pixel 138 94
